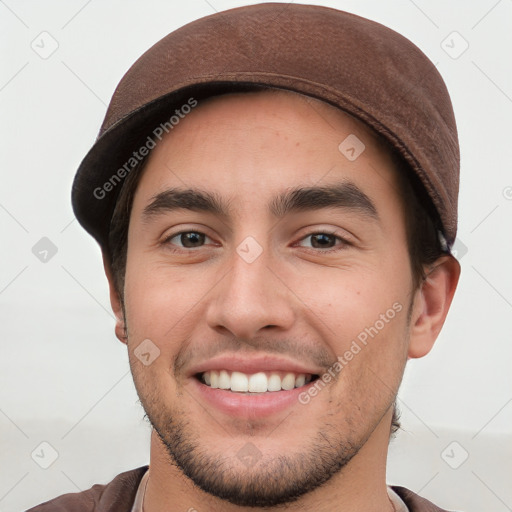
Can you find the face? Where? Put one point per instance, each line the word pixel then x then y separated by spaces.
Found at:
pixel 268 280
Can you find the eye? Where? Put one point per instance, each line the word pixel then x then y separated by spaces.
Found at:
pixel 323 240
pixel 326 240
pixel 187 239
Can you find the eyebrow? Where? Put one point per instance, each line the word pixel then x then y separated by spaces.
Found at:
pixel 344 195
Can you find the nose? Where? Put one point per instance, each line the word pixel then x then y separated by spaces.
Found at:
pixel 251 297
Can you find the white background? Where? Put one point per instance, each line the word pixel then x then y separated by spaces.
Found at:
pixel 64 377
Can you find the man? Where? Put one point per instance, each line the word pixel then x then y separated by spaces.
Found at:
pixel 274 190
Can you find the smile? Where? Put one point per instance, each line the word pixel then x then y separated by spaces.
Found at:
pixel 260 382
pixel 251 388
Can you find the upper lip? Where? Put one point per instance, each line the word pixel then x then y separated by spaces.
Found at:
pixel 251 365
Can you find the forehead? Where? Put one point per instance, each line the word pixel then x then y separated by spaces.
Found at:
pixel 293 113
pixel 264 142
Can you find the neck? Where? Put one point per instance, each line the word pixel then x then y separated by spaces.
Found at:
pixel 360 485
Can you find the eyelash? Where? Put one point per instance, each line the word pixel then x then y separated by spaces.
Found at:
pixel 344 241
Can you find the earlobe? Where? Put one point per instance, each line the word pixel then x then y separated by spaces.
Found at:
pixel 431 305
pixel 115 302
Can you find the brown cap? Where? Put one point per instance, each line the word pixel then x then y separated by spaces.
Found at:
pixel 358 65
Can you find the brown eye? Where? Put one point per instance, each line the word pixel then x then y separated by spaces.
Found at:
pixel 322 240
pixel 187 239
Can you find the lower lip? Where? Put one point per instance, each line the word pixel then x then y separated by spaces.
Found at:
pixel 249 405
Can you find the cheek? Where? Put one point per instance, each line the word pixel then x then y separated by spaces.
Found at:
pixel 162 302
pixel 362 316
pixel 372 354
pixel 350 300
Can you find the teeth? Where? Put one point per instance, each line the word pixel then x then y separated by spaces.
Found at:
pixel 224 380
pixel 274 382
pixel 300 380
pixel 214 379
pixel 256 383
pixel 288 382
pixel 239 382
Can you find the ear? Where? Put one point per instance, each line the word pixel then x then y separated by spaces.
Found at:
pixel 115 301
pixel 431 305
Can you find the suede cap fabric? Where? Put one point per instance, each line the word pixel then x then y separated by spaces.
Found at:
pixel 355 64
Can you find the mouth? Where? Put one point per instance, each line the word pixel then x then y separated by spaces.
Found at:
pixel 255 383
pixel 251 388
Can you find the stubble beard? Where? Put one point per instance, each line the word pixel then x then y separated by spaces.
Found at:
pixel 267 482
pixel 271 481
